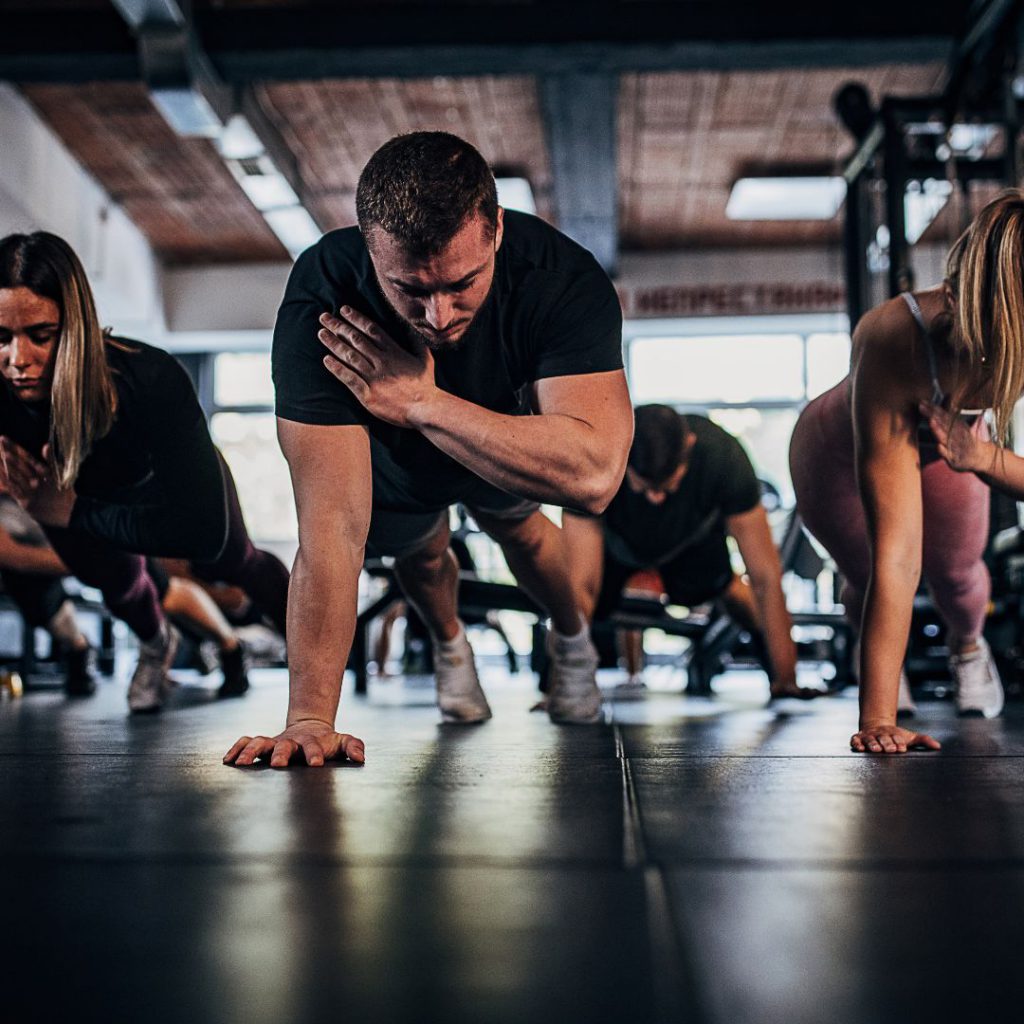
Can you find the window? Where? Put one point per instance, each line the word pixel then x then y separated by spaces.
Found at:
pixel 249 443
pixel 244 428
pixel 242 378
pixel 733 370
pixel 754 385
pixel 828 362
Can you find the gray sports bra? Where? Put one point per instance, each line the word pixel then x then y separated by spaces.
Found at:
pixel 926 439
pixel 938 395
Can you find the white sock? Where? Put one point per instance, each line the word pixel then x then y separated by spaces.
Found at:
pixel 454 645
pixel 577 643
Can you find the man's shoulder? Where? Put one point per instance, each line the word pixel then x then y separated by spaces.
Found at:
pixel 339 254
pixel 534 244
pixel 714 441
pixel 343 242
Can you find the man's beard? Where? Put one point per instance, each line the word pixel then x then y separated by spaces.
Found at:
pixel 439 345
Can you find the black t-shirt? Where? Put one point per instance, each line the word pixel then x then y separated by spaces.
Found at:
pixel 719 483
pixel 551 312
pixel 153 484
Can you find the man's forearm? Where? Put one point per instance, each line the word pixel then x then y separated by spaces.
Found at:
pixel 777 626
pixel 551 457
pixel 322 602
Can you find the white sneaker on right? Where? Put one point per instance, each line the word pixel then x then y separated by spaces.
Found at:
pixel 634 688
pixel 459 694
pixel 979 690
pixel 905 706
pixel 573 696
pixel 150 683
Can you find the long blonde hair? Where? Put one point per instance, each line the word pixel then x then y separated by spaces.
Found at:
pixel 985 269
pixel 82 399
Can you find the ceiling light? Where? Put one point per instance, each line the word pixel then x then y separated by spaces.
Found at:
pixel 515 194
pixel 187 111
pixel 238 141
pixel 294 227
pixel 808 198
pixel 263 183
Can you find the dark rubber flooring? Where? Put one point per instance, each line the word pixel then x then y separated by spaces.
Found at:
pixel 690 861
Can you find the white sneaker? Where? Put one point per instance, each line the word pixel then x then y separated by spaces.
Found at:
pixel 459 695
pixel 573 696
pixel 905 706
pixel 978 687
pixel 150 683
pixel 634 688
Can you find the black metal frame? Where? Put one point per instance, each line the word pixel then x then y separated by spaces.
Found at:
pixel 979 84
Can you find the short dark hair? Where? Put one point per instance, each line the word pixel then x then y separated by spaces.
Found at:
pixel 658 442
pixel 421 188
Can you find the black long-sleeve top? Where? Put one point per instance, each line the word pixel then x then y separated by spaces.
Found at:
pixel 153 484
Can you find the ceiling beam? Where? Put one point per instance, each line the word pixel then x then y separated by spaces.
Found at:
pixel 346 40
pixel 579 117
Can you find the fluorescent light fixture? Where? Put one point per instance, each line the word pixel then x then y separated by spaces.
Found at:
pixel 186 110
pixel 268 190
pixel 817 198
pixel 515 194
pixel 922 203
pixel 238 141
pixel 294 227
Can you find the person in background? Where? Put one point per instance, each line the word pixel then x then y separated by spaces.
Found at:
pixel 892 467
pixel 689 486
pixel 103 442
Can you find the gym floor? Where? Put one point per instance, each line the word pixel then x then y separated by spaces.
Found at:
pixel 692 860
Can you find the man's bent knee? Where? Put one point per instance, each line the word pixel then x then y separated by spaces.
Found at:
pixel 526 533
pixel 431 555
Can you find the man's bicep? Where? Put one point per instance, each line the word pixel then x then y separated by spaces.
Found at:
pixel 601 400
pixel 332 479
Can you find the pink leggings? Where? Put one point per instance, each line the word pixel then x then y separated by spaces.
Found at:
pixel 956 516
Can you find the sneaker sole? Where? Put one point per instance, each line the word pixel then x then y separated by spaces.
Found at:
pixel 560 719
pixel 447 718
pixel 978 713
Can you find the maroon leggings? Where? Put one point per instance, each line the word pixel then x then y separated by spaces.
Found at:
pixel 129 591
pixel 956 515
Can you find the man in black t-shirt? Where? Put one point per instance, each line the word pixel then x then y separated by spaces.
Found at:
pixel 688 485
pixel 443 351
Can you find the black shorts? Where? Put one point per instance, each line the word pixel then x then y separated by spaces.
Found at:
pixel 398 533
pixel 699 574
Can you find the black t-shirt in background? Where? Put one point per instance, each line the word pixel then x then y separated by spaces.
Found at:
pixel 153 484
pixel 551 312
pixel 720 482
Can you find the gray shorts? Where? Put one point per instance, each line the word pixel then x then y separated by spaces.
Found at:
pixel 397 534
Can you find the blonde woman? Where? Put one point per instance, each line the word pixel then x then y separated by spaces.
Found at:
pixel 892 467
pixel 102 441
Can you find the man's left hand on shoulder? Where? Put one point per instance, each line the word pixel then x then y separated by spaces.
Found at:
pixel 391 382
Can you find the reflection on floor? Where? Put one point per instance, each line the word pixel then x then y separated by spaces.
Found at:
pixel 690 860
